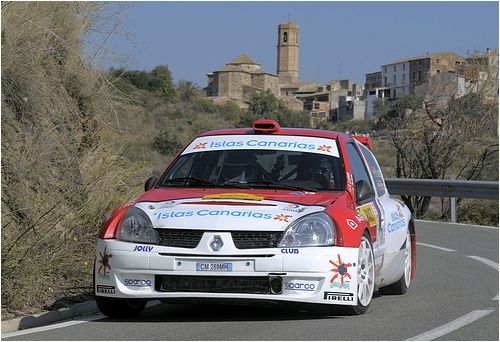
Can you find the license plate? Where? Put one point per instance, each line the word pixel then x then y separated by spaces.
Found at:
pixel 214 266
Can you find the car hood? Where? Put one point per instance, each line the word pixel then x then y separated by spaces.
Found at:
pixel 232 210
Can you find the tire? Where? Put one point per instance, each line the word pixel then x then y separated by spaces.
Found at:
pixel 120 307
pixel 403 284
pixel 366 276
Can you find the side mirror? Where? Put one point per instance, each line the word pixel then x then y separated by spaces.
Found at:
pixel 363 191
pixel 150 183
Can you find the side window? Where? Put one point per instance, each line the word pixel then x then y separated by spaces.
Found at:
pixel 359 172
pixel 374 170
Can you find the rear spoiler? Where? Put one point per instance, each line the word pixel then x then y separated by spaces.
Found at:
pixel 365 140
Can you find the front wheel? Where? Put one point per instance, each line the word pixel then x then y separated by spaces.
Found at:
pixel 366 276
pixel 120 307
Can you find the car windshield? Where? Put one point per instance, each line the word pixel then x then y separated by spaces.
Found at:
pixel 283 168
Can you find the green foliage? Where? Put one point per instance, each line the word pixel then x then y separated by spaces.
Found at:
pixel 158 80
pixel 264 105
pixel 166 144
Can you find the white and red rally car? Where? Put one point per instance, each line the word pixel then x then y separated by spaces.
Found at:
pixel 261 213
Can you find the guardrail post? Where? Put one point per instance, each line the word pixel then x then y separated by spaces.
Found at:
pixel 453 209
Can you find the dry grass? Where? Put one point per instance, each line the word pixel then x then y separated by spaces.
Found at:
pixel 61 171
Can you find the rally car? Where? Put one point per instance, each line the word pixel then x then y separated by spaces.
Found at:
pixel 261 214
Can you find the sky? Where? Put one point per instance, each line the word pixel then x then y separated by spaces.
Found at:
pixel 338 40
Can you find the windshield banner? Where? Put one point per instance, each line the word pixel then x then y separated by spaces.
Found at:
pixel 264 142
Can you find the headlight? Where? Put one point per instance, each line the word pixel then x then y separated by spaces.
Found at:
pixel 136 227
pixel 310 231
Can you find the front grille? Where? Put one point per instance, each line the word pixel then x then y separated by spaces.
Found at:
pixel 183 238
pixel 189 238
pixel 254 239
pixel 216 284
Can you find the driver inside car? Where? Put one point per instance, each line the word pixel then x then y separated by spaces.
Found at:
pixel 316 169
pixel 241 167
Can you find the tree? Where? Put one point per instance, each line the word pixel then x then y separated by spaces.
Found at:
pixel 264 105
pixel 187 90
pixel 162 80
pixel 439 133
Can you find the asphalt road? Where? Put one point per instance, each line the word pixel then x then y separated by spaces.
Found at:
pixel 453 297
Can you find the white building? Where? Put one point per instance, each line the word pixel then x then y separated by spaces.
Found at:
pixel 396 78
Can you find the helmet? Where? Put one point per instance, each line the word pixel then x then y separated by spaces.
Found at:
pixel 239 166
pixel 314 167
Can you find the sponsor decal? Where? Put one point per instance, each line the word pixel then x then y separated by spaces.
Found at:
pixel 324 148
pixel 351 224
pixel 104 263
pixel 341 269
pixel 359 218
pixel 397 222
pixel 108 289
pixel 207 212
pixel 143 248
pixel 282 217
pixel 299 286
pixel 368 213
pixel 138 282
pixel 294 208
pixel 164 205
pixel 339 296
pixel 200 146
pixel 290 250
pixel 301 193
pixel 288 143
pixel 238 196
pixel 338 285
pixel 350 182
pixel 400 211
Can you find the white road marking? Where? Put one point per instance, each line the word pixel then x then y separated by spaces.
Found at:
pixel 84 319
pixel 436 247
pixel 54 326
pixel 451 326
pixel 487 262
pixel 464 225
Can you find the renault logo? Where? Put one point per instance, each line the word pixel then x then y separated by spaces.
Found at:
pixel 216 243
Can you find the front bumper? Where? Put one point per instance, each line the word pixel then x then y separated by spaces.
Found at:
pixel 323 275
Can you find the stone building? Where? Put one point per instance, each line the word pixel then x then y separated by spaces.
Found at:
pixel 239 79
pixel 288 53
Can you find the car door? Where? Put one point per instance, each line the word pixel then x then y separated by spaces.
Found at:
pixel 368 206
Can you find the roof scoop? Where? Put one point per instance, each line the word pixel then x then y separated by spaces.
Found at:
pixel 266 126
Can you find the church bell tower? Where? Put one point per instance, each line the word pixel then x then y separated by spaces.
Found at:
pixel 288 52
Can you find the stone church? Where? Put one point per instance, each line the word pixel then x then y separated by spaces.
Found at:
pixel 239 79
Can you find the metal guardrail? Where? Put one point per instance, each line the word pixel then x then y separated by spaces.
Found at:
pixel 443 188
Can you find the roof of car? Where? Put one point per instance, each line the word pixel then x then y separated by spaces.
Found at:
pixel 282 131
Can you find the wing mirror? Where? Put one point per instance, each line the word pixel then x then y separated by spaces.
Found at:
pixel 150 183
pixel 363 191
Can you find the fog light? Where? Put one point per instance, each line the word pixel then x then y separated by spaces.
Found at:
pixel 276 285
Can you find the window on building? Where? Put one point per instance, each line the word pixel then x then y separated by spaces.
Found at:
pixel 394 68
pixel 438 60
pixel 285 37
pixel 404 66
pixel 438 71
pixel 413 75
pixel 328 87
pixel 385 80
pixel 394 94
pixel 419 62
pixel 385 69
pixel 403 78
pixel 296 37
pixel 457 63
pixel 316 106
pixel 394 79
pixel 420 75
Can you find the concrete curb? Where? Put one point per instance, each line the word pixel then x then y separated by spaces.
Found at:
pixel 26 322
